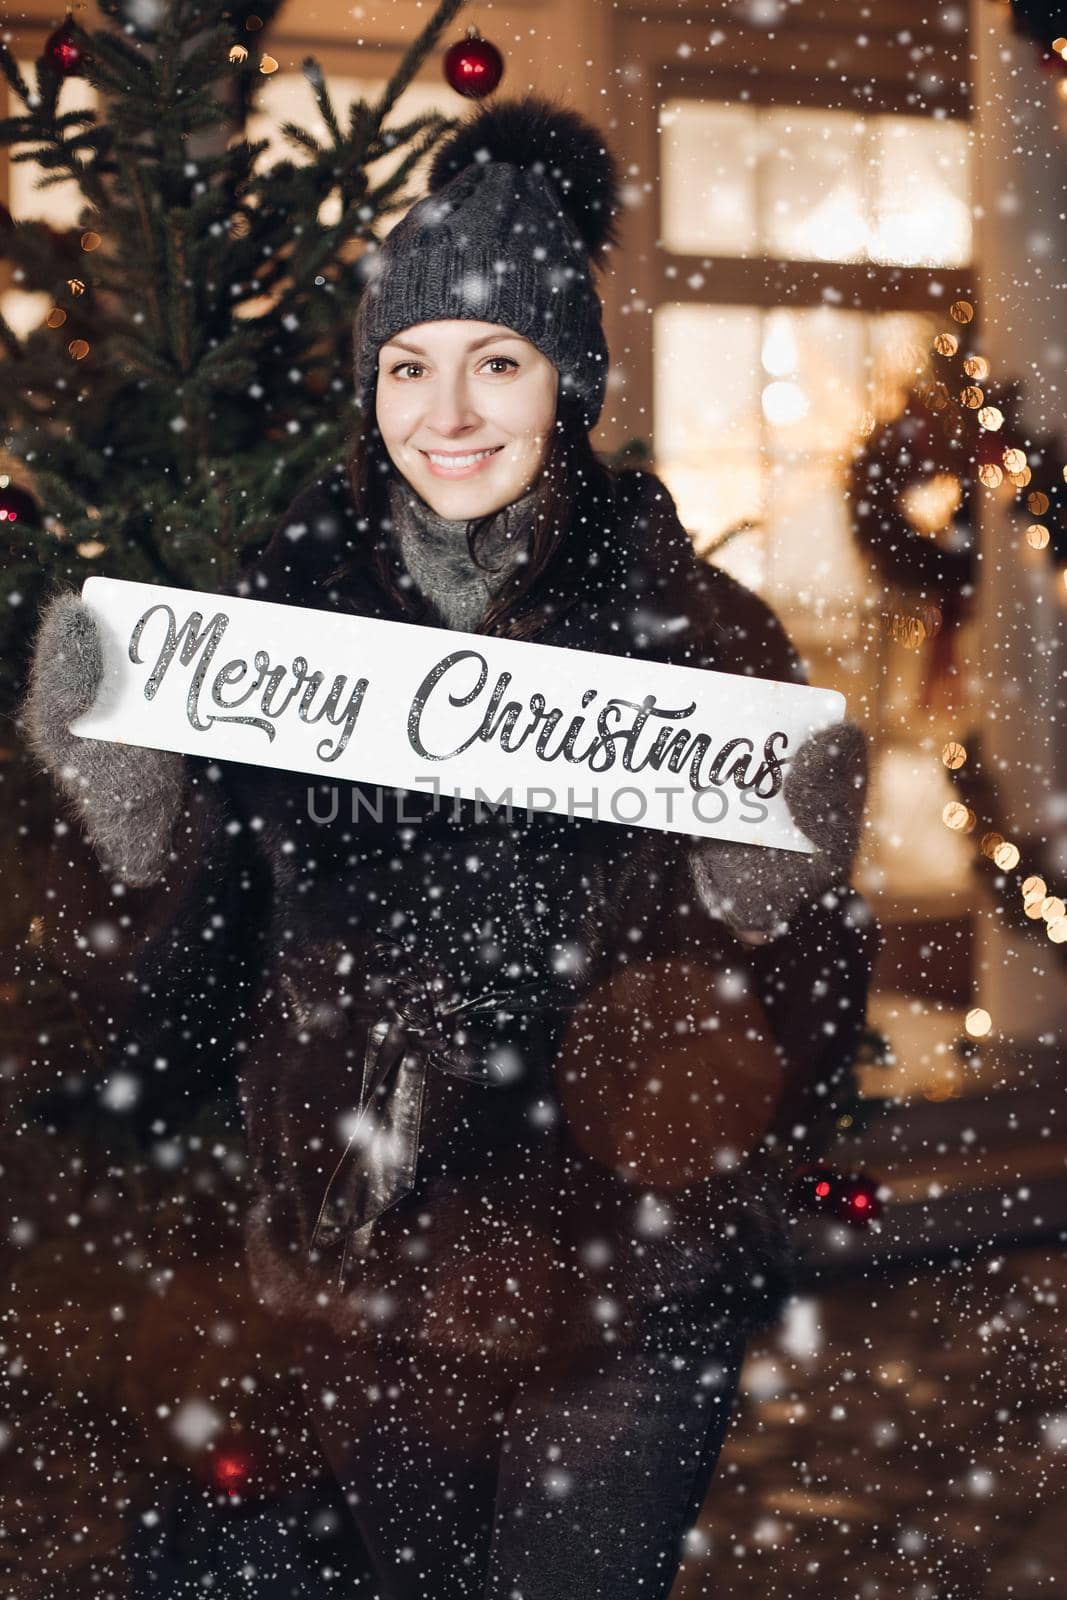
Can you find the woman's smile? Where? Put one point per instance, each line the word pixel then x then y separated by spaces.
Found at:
pixel 452 464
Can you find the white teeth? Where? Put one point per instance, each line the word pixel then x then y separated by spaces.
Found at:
pixel 460 461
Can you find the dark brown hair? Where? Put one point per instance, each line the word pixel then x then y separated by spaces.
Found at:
pixel 578 507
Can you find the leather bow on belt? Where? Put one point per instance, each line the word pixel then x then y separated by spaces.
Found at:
pixel 378 1165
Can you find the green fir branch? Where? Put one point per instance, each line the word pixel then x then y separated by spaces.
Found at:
pixel 115 66
pixel 314 75
pixel 391 193
pixel 410 65
pixel 205 64
pixel 300 137
pixel 10 68
pixel 76 119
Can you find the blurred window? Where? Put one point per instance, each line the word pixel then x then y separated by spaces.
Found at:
pixel 758 405
pixel 805 184
pixel 757 412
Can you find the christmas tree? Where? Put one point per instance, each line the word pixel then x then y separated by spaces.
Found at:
pixel 195 366
pixel 193 369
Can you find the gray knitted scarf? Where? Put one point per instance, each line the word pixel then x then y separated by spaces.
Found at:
pixel 435 554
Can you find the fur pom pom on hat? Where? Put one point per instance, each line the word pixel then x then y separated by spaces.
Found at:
pixel 521 208
pixel 535 134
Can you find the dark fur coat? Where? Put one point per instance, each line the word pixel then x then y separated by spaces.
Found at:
pixel 614 1164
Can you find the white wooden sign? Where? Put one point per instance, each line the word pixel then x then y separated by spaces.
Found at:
pixel 499 721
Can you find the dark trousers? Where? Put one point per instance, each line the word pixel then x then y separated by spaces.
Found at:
pixel 553 1485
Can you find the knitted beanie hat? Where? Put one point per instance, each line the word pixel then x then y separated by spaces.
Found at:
pixel 521 206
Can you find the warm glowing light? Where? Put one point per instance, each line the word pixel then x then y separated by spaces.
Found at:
pixel 955 816
pixel 258 306
pixel 1035 885
pixel 991 475
pixel 953 755
pixel 921 214
pixel 1057 931
pixel 784 403
pixel 1037 503
pixel 267 65
pixel 946 1086
pixel 978 1022
pixel 779 354
pixel 238 53
pixel 931 504
pixel 991 418
pixel 961 311
pixel 976 367
pixel 906 630
pixel 835 229
pixel 230 1472
pixel 1006 856
pixel 1014 459
pixel 1053 908
pixel 1036 536
pixel 946 344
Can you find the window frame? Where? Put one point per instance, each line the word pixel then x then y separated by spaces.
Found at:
pixel 655 276
pixel 649 275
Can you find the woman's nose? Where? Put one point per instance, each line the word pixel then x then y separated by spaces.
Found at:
pixel 451 411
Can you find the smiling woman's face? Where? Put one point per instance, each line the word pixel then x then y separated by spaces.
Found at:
pixel 449 391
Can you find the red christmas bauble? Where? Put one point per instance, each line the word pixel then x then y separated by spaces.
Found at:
pixel 850 1197
pixel 17 505
pixel 231 1470
pixel 63 52
pixel 474 67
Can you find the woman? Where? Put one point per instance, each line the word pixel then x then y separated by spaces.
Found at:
pixel 523 1093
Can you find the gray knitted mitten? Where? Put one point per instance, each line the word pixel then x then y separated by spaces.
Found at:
pixel 757 889
pixel 128 798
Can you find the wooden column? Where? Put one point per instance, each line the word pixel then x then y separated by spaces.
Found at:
pixel 1021 247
